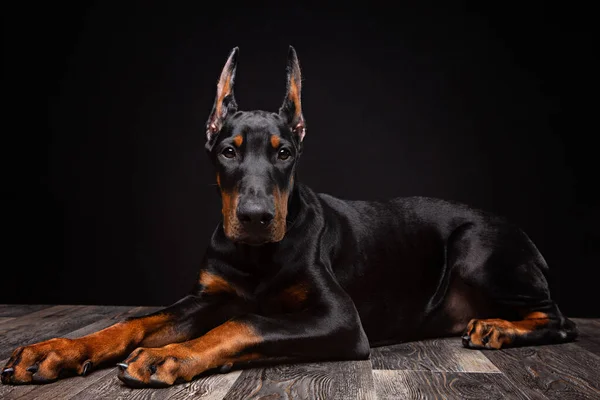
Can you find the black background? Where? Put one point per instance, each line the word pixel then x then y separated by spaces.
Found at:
pixel 108 197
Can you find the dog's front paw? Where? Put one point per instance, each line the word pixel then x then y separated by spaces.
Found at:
pixel 156 367
pixel 45 362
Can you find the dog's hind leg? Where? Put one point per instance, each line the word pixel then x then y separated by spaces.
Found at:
pixel 504 266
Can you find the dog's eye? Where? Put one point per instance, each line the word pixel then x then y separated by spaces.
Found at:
pixel 228 152
pixel 284 154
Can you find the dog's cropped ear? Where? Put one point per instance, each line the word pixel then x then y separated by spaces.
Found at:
pixel 224 101
pixel 291 110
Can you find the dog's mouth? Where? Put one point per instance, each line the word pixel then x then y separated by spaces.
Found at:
pixel 270 234
pixel 253 241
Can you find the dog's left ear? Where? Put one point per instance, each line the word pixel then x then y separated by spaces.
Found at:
pixel 291 109
pixel 224 101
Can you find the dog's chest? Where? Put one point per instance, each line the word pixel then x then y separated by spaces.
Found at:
pixel 281 298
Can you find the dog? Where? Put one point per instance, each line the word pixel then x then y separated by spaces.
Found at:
pixel 294 276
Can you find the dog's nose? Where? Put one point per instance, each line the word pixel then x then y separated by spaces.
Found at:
pixel 253 213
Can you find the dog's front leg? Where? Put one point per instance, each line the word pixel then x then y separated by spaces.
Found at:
pixel 188 318
pixel 330 329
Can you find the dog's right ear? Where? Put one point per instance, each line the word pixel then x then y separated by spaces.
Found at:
pixel 291 109
pixel 224 101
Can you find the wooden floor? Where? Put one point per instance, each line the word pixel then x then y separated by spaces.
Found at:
pixel 425 370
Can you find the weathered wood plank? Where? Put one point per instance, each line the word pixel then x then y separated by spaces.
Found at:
pixel 327 380
pixel 107 387
pixel 37 316
pixel 443 385
pixel 103 383
pixel 71 384
pixel 589 334
pixel 110 387
pixel 589 345
pixel 57 321
pixel 589 329
pixel 67 388
pixel 587 323
pixel 9 392
pixel 443 355
pixel 213 387
pixel 564 371
pixel 439 368
pixel 11 331
pixel 18 310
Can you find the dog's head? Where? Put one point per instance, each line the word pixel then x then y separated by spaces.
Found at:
pixel 255 155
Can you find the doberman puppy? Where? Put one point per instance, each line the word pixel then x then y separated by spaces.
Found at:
pixel 294 276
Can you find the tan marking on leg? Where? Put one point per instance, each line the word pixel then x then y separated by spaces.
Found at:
pixel 114 341
pixel 532 322
pixel 108 345
pixel 227 344
pixel 495 333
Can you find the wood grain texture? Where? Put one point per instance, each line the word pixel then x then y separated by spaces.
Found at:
pixel 328 380
pixel 103 384
pixel 18 310
pixel 590 345
pixel 442 355
pixel 439 368
pixel 589 329
pixel 49 323
pixel 36 316
pixel 66 388
pixel 564 371
pixel 110 387
pixel 443 385
pixel 589 334
pixel 57 390
pixel 213 387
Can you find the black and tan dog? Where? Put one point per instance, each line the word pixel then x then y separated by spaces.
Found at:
pixel 294 276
